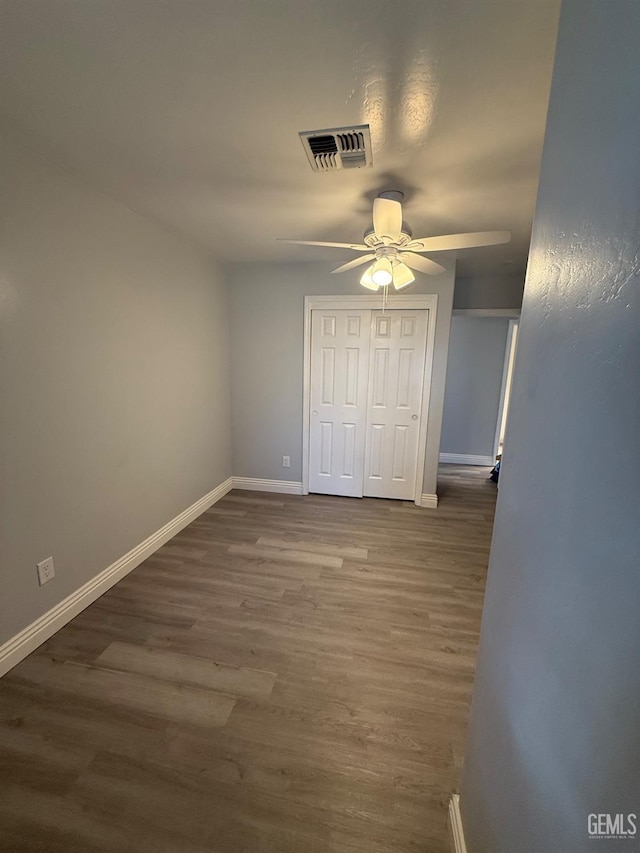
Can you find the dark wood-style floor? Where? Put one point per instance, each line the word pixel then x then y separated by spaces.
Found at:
pixel 289 674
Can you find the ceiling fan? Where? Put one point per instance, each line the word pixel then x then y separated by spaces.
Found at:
pixel 391 251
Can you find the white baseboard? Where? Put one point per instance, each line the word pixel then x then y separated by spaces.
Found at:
pixel 290 487
pixel 18 647
pixel 255 484
pixel 430 501
pixel 466 459
pixel 458 844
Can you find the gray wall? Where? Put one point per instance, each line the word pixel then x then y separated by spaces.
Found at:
pixel 554 729
pixel 114 412
pixel 266 320
pixel 474 380
pixel 496 290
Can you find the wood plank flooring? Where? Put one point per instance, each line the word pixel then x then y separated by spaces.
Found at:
pixel 287 675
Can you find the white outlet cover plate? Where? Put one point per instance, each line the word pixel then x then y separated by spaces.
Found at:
pixel 46 571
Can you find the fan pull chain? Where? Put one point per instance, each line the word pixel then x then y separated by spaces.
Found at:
pixel 385 297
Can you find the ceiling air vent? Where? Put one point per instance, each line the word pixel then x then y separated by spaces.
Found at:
pixel 339 148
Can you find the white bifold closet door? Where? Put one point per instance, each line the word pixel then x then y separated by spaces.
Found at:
pixel 367 377
pixel 339 373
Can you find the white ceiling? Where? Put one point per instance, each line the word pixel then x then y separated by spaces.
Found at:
pixel 189 111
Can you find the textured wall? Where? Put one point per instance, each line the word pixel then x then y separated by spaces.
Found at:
pixel 114 413
pixel 554 729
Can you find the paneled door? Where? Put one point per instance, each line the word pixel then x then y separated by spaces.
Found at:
pixel 339 372
pixel 367 375
pixel 396 381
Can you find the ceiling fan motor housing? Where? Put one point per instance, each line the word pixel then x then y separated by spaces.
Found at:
pixel 392 195
pixel 371 240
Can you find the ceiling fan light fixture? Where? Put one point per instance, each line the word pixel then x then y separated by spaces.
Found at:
pixel 367 280
pixel 382 272
pixel 402 275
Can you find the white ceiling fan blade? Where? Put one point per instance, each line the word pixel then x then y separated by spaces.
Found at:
pixel 357 247
pixel 459 241
pixel 387 219
pixel 363 259
pixel 417 262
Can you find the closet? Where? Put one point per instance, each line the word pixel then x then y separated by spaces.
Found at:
pixel 366 387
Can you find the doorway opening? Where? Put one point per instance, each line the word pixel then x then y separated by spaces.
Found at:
pixel 507 380
pixel 480 368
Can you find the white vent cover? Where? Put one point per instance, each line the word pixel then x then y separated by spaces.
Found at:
pixel 338 148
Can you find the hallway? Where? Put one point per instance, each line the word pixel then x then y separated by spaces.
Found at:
pixel 287 674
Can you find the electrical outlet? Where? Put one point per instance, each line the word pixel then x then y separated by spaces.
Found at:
pixel 46 572
pixel 286 462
